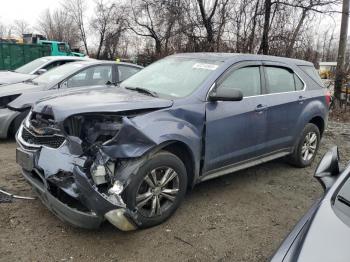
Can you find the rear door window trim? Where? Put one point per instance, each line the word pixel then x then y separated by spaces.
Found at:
pixel 270 64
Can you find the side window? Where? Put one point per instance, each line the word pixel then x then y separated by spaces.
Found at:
pixel 92 76
pixel 246 79
pixel 299 85
pixel 126 71
pixel 311 71
pixel 279 79
pixel 62 47
pixel 48 45
pixel 102 74
pixel 52 65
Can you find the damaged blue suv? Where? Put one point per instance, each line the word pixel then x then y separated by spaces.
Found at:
pixel 128 155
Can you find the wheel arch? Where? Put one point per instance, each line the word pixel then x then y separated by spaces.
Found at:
pixel 17 118
pixel 319 122
pixel 185 154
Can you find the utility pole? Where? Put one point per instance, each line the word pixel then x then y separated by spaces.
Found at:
pixel 339 75
pixel 264 46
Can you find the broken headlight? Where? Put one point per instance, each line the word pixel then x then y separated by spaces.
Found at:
pixel 93 128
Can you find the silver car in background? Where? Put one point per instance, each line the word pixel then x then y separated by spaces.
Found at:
pixel 17 99
pixel 35 68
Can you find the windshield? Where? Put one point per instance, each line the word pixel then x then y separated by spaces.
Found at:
pixel 57 74
pixel 173 76
pixel 31 66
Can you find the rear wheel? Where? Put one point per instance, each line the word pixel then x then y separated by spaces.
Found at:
pixel 305 152
pixel 157 189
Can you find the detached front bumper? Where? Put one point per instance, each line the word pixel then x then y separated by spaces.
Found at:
pixel 60 182
pixel 61 210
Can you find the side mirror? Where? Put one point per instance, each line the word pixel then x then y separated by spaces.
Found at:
pixel 225 94
pixel 109 83
pixel 64 84
pixel 327 170
pixel 41 71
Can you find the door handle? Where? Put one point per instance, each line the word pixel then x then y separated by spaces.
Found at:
pixel 260 108
pixel 301 99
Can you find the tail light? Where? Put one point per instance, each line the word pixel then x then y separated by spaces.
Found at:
pixel 328 97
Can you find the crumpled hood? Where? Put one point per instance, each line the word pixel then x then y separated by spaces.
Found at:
pixel 8 77
pixel 103 100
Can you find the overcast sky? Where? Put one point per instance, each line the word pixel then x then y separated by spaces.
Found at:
pixel 28 10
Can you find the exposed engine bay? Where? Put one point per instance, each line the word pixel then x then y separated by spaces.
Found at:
pixel 93 128
pixel 80 159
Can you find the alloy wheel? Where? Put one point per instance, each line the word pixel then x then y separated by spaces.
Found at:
pixel 157 192
pixel 309 147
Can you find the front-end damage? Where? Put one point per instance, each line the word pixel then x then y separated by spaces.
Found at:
pixel 82 179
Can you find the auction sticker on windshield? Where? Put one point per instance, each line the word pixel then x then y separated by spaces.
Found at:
pixel 205 66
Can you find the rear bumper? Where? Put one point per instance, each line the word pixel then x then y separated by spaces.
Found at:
pixel 6 118
pixel 61 210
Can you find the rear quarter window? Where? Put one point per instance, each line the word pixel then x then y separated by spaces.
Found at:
pixel 313 74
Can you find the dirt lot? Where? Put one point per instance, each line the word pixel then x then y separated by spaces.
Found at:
pixel 239 217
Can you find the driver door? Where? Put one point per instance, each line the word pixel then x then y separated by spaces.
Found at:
pixel 236 130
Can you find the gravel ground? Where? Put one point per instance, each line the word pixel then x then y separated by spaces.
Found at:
pixel 239 217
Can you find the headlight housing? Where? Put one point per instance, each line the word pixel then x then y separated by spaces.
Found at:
pixel 93 128
pixel 5 100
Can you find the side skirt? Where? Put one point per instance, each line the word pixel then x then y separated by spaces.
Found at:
pixel 243 165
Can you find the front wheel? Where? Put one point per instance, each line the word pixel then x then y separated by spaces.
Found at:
pixel 157 189
pixel 305 152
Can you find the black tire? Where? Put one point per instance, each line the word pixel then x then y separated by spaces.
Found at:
pixel 297 158
pixel 161 160
pixel 16 123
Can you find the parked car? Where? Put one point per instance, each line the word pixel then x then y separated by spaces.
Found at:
pixel 128 155
pixel 323 234
pixel 16 99
pixel 34 68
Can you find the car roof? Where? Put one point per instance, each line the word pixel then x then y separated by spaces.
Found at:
pixel 59 58
pixel 224 57
pixel 101 62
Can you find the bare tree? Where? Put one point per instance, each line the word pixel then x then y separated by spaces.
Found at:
pixel 21 27
pixel 207 20
pixel 3 30
pixel 306 6
pixel 148 21
pixel 155 28
pixel 76 10
pixel 115 35
pixel 58 25
pixel 102 22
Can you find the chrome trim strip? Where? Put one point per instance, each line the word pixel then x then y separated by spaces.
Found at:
pixel 21 141
pixel 303 90
pixel 211 88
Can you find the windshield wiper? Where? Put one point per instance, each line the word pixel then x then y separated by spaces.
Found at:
pixel 142 90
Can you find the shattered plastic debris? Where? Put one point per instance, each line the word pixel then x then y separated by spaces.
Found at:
pixel 6 197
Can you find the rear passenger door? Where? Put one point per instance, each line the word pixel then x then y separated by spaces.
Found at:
pixel 285 101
